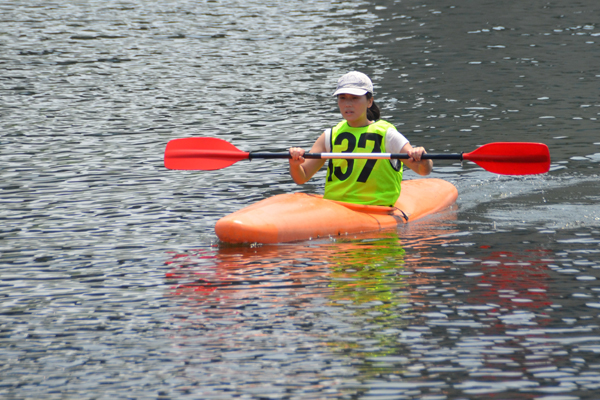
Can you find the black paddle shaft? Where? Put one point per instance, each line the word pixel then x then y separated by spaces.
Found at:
pixel 395 156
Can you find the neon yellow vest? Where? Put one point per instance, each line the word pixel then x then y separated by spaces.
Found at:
pixel 374 182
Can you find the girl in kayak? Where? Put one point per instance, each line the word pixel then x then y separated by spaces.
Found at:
pixel 360 181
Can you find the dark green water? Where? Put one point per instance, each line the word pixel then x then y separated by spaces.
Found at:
pixel 113 284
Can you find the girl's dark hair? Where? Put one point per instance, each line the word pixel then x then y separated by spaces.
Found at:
pixel 373 113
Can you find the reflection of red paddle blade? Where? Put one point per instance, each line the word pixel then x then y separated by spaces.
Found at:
pixel 201 154
pixel 512 158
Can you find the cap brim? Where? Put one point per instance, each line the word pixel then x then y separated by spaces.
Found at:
pixel 356 92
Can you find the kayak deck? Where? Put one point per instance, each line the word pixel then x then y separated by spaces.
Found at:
pixel 301 216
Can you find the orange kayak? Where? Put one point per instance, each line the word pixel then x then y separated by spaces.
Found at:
pixel 301 216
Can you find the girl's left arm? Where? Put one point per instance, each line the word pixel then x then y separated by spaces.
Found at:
pixel 414 162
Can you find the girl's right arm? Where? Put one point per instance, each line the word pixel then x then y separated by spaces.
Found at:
pixel 301 169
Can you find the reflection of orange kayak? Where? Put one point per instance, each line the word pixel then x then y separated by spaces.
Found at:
pixel 301 216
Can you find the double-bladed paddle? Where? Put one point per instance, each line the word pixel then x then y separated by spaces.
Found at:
pixel 506 158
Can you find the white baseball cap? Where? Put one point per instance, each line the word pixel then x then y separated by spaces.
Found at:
pixel 355 83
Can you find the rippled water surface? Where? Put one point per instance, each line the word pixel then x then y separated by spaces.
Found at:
pixel 113 283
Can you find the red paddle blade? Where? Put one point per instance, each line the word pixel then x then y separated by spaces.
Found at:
pixel 202 154
pixel 512 158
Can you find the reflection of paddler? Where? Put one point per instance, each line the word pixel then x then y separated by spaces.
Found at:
pixel 362 276
pixel 369 273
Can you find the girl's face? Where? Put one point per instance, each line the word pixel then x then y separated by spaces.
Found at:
pixel 354 109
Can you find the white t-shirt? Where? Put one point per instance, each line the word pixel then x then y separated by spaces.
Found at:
pixel 394 142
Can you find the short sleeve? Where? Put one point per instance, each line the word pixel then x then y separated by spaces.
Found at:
pixel 394 141
pixel 328 140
